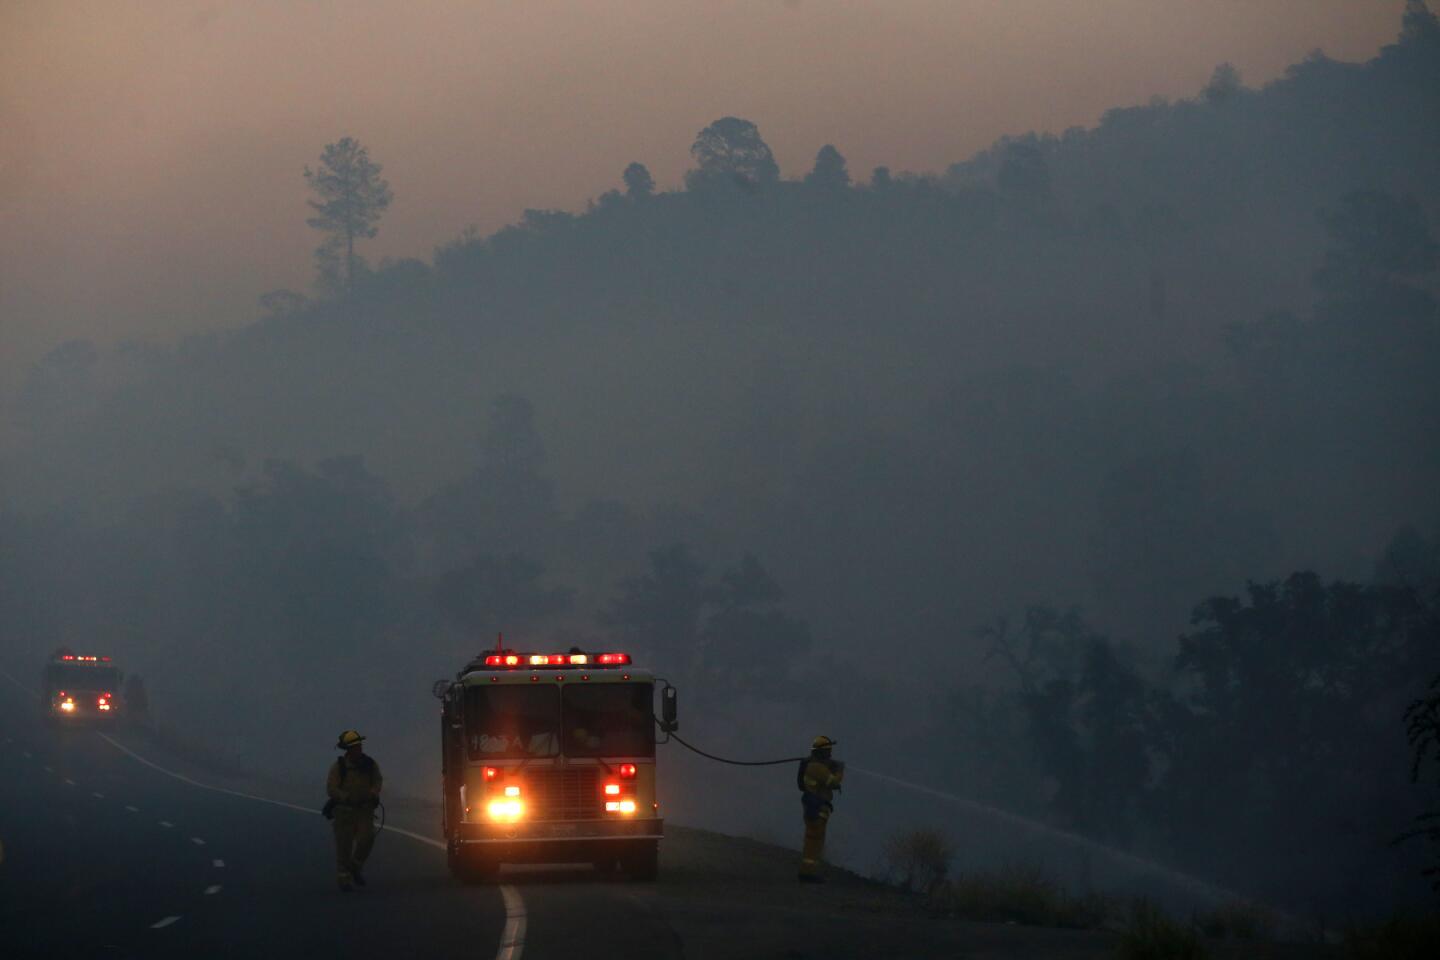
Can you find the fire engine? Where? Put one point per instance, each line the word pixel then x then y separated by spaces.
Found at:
pixel 80 686
pixel 550 758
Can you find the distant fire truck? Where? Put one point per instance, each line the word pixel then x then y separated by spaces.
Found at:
pixel 80 686
pixel 550 758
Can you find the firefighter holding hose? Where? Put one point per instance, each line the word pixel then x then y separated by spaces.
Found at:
pixel 818 778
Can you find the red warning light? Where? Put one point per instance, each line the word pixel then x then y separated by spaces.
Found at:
pixel 613 659
pixel 627 771
pixel 491 773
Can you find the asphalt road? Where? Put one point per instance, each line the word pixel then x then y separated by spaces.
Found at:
pixel 107 856
pixel 110 847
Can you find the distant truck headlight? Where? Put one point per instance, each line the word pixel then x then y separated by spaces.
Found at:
pixel 67 706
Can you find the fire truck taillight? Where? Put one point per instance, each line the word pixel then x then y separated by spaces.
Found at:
pixel 627 771
pixel 512 791
pixel 508 810
pixel 491 773
pixel 612 789
pixel 626 807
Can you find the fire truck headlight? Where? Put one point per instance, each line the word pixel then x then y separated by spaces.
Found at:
pixel 509 809
pixel 68 706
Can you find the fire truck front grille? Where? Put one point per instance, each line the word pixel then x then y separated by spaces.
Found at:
pixel 565 793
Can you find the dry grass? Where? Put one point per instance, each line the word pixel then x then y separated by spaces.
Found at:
pixel 1402 937
pixel 1018 895
pixel 918 860
pixel 1152 935
pixel 1238 920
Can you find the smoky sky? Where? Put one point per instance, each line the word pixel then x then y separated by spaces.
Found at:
pixel 151 153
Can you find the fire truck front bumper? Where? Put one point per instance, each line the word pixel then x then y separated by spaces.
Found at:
pixel 561 831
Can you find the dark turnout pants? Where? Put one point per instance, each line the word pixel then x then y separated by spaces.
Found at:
pixel 817 815
pixel 354 836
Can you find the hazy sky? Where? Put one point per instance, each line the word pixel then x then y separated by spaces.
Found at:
pixel 151 152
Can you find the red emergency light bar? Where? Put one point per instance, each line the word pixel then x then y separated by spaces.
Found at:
pixel 84 659
pixel 556 659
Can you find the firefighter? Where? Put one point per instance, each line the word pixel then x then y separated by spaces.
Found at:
pixel 819 779
pixel 354 790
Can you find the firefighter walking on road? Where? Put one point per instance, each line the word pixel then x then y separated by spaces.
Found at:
pixel 353 787
pixel 819 779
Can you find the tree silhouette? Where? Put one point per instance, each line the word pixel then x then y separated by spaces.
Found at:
pixel 659 611
pixel 1224 85
pixel 749 643
pixel 491 594
pixel 351 198
pixel 731 150
pixel 829 171
pixel 1024 178
pixel 506 504
pixel 1376 240
pixel 1422 729
pixel 638 182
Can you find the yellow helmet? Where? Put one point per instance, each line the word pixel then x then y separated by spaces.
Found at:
pixel 348 739
pixel 822 743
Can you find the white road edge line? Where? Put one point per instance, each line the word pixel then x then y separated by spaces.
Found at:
pixel 163 923
pixel 214 888
pixel 512 940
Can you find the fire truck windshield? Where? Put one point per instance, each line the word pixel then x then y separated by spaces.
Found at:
pixel 609 720
pixel 504 722
pixel 60 676
pixel 600 720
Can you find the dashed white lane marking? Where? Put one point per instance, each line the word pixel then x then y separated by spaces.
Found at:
pixel 71 783
pixel 197 841
pixel 165 823
pixel 97 796
pixel 132 809
pixel 26 754
pixel 163 923
pixel 213 889
pixel 512 940
pixel 218 863
pixel 49 769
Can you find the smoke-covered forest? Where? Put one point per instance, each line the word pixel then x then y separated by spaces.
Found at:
pixel 1094 477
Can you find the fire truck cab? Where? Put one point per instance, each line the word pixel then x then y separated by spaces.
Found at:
pixel 79 687
pixel 550 758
